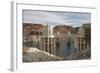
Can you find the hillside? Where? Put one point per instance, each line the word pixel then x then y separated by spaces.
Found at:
pixel 37 29
pixel 63 29
pixel 33 29
pixel 34 55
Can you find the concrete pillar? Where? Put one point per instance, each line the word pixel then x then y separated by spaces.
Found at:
pixel 40 44
pixel 84 44
pixel 44 43
pixel 51 45
pixel 80 43
pixel 54 49
pixel 48 44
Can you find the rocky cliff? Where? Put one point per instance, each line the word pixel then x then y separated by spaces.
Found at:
pixel 35 55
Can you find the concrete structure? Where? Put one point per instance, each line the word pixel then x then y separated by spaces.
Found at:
pixel 83 38
pixel 58 44
pixel 61 44
pixel 47 40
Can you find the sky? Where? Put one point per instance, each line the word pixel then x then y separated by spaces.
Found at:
pixel 56 18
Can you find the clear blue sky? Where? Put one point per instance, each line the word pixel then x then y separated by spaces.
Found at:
pixel 56 18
